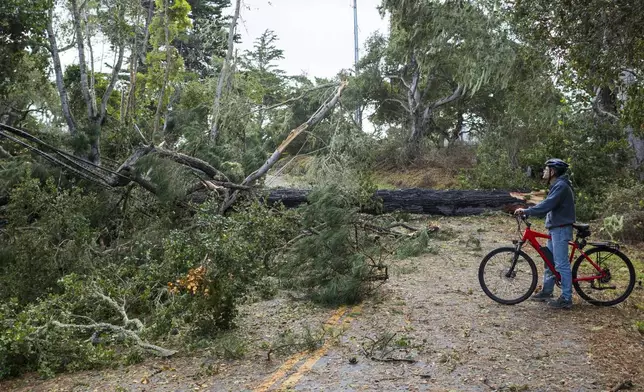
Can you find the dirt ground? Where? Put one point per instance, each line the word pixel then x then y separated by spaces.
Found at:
pixel 429 328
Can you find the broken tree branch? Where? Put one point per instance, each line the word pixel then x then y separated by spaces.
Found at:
pixel 223 75
pixel 311 122
pixel 97 326
pixel 393 360
pixel 193 162
pixel 295 99
pixel 121 309
pixel 162 352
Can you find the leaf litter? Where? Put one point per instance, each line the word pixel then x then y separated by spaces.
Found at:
pixel 429 328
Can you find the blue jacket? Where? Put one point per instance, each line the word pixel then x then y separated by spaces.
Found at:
pixel 559 205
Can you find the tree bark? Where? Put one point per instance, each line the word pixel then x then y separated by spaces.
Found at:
pixel 420 201
pixel 214 130
pixel 420 113
pixel 413 102
pixel 92 77
pixel 637 143
pixel 166 73
pixel 82 65
pixel 113 78
pixel 58 71
pixel 4 154
pixel 458 129
pixel 136 58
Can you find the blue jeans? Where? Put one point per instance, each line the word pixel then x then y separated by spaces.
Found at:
pixel 558 245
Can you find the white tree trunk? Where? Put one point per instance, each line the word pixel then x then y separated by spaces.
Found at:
pixel 223 75
pixel 82 64
pixel 58 71
pixel 166 74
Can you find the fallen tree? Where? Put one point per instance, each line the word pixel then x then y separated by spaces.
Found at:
pixel 421 201
pixel 210 177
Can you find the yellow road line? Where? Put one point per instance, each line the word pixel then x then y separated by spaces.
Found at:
pixel 281 372
pixel 293 379
pixel 293 360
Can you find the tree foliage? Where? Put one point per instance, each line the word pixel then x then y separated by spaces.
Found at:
pixel 124 225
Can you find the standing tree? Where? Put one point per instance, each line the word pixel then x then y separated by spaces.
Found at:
pixel 436 54
pixel 600 47
pixel 113 26
pixel 224 73
pixel 206 41
pixel 266 81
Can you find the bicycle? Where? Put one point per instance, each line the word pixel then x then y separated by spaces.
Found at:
pixel 592 277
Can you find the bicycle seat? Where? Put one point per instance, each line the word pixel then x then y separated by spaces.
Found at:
pixel 581 226
pixel 583 229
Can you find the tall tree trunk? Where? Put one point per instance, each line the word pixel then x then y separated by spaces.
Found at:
pixel 456 133
pixel 99 114
pixel 636 142
pixel 166 74
pixel 82 64
pixel 413 98
pixel 92 78
pixel 58 71
pixel 95 144
pixel 138 56
pixel 224 72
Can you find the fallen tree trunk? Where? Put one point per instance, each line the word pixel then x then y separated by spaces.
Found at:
pixel 421 201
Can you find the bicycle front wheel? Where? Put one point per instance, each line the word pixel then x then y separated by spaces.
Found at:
pixel 504 284
pixel 612 285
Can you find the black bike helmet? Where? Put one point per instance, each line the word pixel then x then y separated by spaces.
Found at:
pixel 560 166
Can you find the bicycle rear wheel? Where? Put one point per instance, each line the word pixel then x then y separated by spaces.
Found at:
pixel 610 290
pixel 502 285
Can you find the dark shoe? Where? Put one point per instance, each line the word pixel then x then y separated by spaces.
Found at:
pixel 541 297
pixel 560 303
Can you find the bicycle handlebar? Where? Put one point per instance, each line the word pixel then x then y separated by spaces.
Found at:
pixel 523 218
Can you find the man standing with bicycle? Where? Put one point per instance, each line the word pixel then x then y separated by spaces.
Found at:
pixel 559 208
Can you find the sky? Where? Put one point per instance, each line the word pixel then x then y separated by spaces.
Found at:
pixel 316 35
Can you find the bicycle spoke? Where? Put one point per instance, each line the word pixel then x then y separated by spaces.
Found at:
pixel 612 284
pixel 502 286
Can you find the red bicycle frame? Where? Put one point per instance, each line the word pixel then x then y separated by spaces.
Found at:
pixel 532 237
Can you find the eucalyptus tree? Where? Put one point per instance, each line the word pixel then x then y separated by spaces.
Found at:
pixel 600 49
pixel 437 54
pixel 113 27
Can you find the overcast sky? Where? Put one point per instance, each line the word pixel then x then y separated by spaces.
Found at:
pixel 316 35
